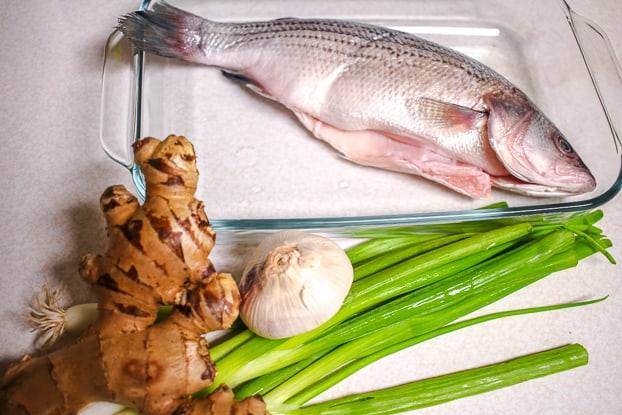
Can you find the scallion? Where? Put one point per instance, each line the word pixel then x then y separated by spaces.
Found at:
pixel 434 391
pixel 428 280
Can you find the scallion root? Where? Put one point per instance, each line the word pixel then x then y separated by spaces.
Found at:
pixel 51 320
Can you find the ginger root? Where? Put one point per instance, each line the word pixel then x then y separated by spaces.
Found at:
pixel 157 254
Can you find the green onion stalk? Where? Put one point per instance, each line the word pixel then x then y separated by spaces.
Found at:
pixel 412 284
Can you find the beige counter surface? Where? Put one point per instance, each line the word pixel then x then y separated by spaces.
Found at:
pixel 53 171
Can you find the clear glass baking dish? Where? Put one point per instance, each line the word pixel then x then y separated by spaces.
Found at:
pixel 260 170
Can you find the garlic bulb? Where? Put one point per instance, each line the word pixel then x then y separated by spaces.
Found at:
pixel 293 283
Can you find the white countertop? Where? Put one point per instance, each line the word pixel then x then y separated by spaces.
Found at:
pixel 53 171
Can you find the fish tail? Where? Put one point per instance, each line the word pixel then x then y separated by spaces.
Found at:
pixel 164 30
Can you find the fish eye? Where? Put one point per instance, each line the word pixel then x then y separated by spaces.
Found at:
pixel 563 144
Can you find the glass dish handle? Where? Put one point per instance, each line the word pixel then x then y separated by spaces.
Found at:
pixel 120 106
pixel 603 67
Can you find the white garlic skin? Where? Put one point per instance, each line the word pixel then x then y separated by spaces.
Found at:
pixel 293 283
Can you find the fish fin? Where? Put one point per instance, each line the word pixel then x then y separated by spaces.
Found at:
pixel 238 77
pixel 444 115
pixel 164 30
pixel 248 83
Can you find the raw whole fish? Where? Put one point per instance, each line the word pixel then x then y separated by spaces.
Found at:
pixel 382 98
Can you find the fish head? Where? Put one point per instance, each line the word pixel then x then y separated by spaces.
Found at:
pixel 532 149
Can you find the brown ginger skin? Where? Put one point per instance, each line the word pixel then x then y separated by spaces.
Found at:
pixel 157 255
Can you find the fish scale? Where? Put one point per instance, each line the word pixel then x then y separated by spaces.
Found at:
pixel 382 98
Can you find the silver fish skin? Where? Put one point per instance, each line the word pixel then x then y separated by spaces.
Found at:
pixel 382 98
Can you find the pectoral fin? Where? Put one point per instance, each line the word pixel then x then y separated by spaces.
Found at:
pixel 443 116
pixel 459 131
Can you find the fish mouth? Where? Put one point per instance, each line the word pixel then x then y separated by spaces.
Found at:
pixel 562 182
pixel 578 182
pixel 516 185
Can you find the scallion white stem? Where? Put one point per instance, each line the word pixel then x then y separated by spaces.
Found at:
pixel 50 319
